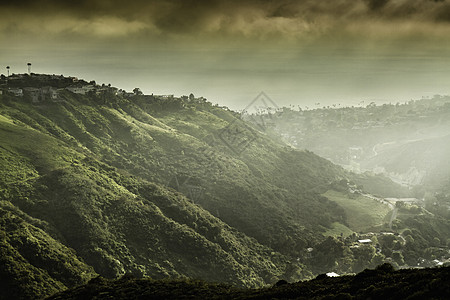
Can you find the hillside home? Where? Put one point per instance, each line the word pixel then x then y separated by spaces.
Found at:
pixel 49 92
pixel 438 263
pixel 165 96
pixel 33 93
pixel 126 94
pixel 40 94
pixel 16 92
pixel 80 90
pixel 113 90
pixel 365 241
pixel 102 90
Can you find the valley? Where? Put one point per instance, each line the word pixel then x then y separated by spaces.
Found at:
pixel 405 141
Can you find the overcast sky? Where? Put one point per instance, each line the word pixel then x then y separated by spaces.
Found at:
pixel 298 52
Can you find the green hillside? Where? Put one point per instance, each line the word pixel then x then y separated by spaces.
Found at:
pixel 155 187
pixel 117 223
pixel 363 213
pixel 111 183
pixel 156 143
pixel 33 264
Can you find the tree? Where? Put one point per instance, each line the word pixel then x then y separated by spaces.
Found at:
pixel 387 241
pixel 397 256
pixel 327 253
pixel 378 259
pixel 397 245
pixel 409 239
pixel 363 257
pixel 137 91
pixel 436 242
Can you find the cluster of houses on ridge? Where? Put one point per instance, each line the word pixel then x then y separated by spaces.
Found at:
pixel 43 87
pixel 40 87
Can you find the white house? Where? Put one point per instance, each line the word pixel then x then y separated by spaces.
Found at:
pixel 80 90
pixel 365 241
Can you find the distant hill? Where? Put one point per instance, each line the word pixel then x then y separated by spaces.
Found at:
pixel 408 142
pixel 415 162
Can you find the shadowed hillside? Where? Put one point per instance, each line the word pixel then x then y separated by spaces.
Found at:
pixel 382 283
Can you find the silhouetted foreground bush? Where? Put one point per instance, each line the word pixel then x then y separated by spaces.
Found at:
pixel 381 283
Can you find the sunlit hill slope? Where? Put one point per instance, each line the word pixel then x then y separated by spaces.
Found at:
pixel 153 186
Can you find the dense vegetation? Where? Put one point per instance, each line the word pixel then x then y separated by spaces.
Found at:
pixel 381 283
pixel 108 183
pixel 146 185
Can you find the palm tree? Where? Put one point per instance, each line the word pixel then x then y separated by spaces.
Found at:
pixel 7 68
pixel 29 68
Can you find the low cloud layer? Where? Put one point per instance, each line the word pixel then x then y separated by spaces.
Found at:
pixel 251 19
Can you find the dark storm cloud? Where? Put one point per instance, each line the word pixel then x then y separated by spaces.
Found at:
pixel 376 4
pixel 259 19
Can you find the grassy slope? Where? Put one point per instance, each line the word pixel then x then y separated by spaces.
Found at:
pixel 86 170
pixel 148 233
pixel 264 176
pixel 32 263
pixel 363 214
pixel 337 229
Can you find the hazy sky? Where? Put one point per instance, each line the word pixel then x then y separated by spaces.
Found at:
pixel 298 52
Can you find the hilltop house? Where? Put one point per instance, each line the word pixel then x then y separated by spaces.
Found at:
pixel 165 96
pixel 49 92
pixel 83 90
pixel 107 89
pixel 40 94
pixel 33 93
pixel 16 92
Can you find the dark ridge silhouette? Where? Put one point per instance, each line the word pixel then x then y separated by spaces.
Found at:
pixel 381 283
